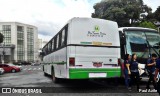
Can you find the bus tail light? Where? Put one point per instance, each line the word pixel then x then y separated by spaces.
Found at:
pixel 71 61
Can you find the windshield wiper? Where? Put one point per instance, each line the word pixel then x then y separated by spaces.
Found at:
pixel 151 47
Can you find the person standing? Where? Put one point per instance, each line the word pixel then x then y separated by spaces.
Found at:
pixel 156 73
pixel 134 71
pixel 127 72
pixel 151 65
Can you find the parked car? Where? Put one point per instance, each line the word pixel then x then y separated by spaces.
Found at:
pixel 1 71
pixel 10 64
pixel 8 68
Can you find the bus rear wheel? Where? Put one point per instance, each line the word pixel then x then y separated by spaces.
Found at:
pixel 55 79
pixel 45 74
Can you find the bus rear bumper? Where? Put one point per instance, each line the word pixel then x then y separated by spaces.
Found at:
pixel 86 73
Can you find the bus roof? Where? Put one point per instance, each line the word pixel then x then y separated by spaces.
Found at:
pixel 136 28
pixel 85 18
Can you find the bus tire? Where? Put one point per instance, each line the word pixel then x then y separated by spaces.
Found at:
pixel 54 79
pixel 45 74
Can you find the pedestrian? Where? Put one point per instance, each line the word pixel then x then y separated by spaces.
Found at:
pixel 156 73
pixel 151 65
pixel 127 72
pixel 134 71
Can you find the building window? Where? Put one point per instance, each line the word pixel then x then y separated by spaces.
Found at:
pixel 20 28
pixel 6 31
pixel 20 43
pixel 6 27
pixel 30 44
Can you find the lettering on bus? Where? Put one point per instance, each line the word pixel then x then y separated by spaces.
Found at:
pixel 96 32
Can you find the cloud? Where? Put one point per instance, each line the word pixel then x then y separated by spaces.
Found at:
pixel 153 4
pixel 49 15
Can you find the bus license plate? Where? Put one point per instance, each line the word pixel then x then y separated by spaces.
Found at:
pixel 91 75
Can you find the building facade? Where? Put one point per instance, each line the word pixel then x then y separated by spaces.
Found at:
pixel 20 42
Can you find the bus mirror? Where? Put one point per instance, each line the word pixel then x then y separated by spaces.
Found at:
pixel 42 53
pixel 122 38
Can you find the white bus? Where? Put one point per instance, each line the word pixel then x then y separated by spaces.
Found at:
pixel 141 41
pixel 84 48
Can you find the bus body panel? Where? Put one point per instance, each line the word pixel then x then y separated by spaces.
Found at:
pixel 84 58
pixel 58 60
pixel 88 55
pixel 83 31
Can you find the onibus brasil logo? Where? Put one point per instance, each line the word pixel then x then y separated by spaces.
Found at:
pixel 96 32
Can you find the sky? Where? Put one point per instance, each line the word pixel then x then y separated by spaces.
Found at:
pixel 50 15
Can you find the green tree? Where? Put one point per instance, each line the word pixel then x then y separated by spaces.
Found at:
pixel 120 11
pixel 147 24
pixel 157 14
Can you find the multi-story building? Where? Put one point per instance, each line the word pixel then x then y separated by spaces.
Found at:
pixel 20 42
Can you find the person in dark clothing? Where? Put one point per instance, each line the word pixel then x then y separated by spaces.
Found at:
pixel 134 71
pixel 156 73
pixel 151 65
pixel 127 71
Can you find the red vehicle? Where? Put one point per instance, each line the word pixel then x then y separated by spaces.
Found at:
pixel 8 68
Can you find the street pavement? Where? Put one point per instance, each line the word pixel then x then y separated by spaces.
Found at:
pixel 33 77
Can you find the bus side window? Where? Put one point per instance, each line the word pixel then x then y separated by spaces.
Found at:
pixel 60 39
pixel 122 43
pixel 63 38
pixel 52 44
pixel 57 43
pixel 122 38
pixel 48 48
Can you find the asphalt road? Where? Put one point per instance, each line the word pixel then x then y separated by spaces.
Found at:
pixel 33 77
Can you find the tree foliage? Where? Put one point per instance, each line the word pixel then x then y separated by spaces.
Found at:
pixel 157 14
pixel 120 11
pixel 147 24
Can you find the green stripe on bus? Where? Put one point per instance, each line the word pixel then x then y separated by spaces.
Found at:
pixel 86 42
pixel 83 73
